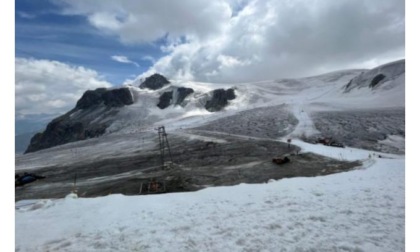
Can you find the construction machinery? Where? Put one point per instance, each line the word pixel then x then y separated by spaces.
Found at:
pixel 281 161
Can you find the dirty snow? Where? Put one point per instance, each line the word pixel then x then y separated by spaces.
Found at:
pixel 395 141
pixel 361 210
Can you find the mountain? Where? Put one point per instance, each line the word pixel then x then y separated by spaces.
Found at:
pixel 102 110
pixel 88 119
pixel 220 134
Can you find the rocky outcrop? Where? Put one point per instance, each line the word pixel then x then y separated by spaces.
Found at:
pixel 63 130
pixel 181 93
pixel 165 100
pixel 117 97
pixel 87 120
pixel 348 85
pixel 230 94
pixel 214 101
pixel 154 82
pixel 219 99
pixel 384 77
pixel 90 98
pixel 175 97
pixel 110 98
pixel 375 81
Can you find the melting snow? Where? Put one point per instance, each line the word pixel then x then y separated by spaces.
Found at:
pixel 361 210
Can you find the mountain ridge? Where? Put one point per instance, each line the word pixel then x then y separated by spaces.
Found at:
pixel 123 109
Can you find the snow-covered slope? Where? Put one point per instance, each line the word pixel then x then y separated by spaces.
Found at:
pixel 380 78
pixel 324 92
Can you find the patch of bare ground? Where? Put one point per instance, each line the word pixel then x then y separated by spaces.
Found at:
pixel 198 163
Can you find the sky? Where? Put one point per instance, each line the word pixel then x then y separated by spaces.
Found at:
pixel 65 47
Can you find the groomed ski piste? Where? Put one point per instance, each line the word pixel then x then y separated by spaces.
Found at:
pixel 359 210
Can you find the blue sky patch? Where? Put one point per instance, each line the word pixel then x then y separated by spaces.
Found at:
pixel 42 32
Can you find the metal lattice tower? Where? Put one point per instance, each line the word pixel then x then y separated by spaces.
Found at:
pixel 164 144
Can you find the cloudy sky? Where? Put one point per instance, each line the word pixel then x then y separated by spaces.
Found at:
pixel 64 47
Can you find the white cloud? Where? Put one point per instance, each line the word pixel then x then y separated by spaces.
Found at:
pixel 237 40
pixel 146 21
pixel 229 61
pixel 123 59
pixel 149 58
pixel 26 15
pixel 51 87
pixel 107 21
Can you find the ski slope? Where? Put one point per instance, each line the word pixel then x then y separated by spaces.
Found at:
pixel 361 210
pixel 305 125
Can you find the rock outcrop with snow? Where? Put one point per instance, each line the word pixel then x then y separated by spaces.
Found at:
pixel 175 97
pixel 383 77
pixel 154 82
pixel 219 99
pixel 110 98
pixel 90 118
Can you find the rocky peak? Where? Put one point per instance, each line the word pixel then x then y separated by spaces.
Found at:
pixel 77 124
pixel 154 82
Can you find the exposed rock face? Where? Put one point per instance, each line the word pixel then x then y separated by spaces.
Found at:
pixel 384 77
pixel 62 130
pixel 182 93
pixel 348 85
pixel 84 121
pixel 154 82
pixel 91 98
pixel 165 100
pixel 376 80
pixel 175 97
pixel 117 97
pixel 219 99
pixel 230 94
pixel 110 98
